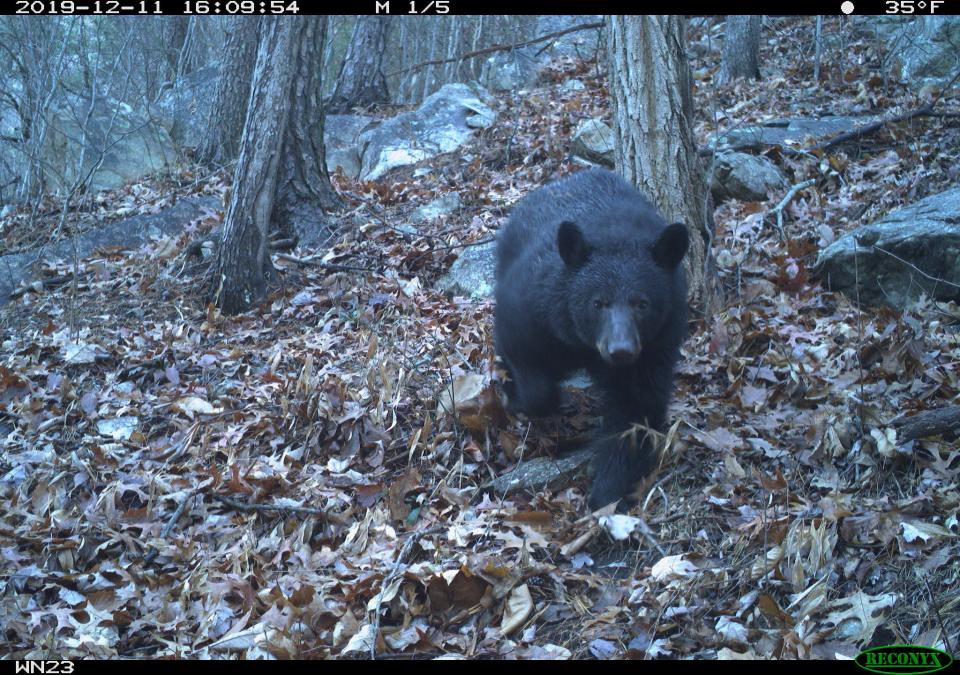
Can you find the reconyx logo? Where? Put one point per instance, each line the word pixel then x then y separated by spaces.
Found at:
pixel 903 659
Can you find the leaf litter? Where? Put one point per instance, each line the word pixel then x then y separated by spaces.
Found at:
pixel 305 480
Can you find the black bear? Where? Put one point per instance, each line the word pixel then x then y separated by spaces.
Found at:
pixel 589 276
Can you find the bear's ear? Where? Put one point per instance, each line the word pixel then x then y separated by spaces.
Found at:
pixel 574 249
pixel 671 246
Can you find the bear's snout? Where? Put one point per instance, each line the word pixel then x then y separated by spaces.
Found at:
pixel 619 344
pixel 623 354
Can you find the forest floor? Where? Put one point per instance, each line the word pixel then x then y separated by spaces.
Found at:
pixel 292 482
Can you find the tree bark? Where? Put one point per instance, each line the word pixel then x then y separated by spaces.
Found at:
pixel 305 192
pixel 650 87
pixel 280 174
pixel 361 81
pixel 228 111
pixel 178 29
pixel 741 48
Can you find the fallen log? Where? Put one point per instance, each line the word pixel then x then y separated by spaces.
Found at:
pixel 939 422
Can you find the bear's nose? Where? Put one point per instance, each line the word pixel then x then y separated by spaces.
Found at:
pixel 623 353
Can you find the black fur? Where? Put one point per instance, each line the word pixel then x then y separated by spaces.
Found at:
pixel 589 276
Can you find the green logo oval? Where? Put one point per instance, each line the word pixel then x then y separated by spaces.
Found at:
pixel 903 659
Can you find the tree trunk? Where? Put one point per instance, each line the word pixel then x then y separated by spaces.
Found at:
pixel 305 192
pixel 650 87
pixel 741 47
pixel 178 28
pixel 281 156
pixel 221 138
pixel 361 81
pixel 817 49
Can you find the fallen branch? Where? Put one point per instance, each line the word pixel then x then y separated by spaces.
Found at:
pixel 539 472
pixel 310 262
pixel 939 422
pixel 859 132
pixel 155 363
pixel 266 508
pixel 168 528
pixel 852 135
pixel 499 48
pixel 47 284
pixel 791 193
pixel 866 129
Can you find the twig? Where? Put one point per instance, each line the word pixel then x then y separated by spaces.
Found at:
pixel 499 48
pixel 283 244
pixel 791 193
pixel 649 536
pixel 397 570
pixel 922 111
pixel 52 282
pixel 479 242
pixel 936 608
pixel 168 528
pixel 310 262
pixel 266 508
pixel 860 132
pixel 434 249
pixel 915 268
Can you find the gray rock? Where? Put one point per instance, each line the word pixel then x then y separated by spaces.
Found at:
pixel 521 68
pixel 441 206
pixel 582 43
pixel 129 144
pixel 593 141
pixel 441 124
pixel 473 273
pixel 900 255
pixel 749 178
pixel 184 107
pixel 340 134
pixel 510 71
pixel 571 86
pixel 924 49
pixel 788 132
pixel 129 233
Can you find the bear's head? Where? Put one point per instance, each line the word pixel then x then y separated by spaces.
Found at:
pixel 622 289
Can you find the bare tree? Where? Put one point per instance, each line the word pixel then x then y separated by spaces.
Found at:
pixel 177 29
pixel 817 48
pixel 652 112
pixel 221 137
pixel 741 47
pixel 361 81
pixel 281 176
pixel 36 55
pixel 417 40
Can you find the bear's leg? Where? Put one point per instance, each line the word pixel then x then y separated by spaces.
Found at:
pixel 532 391
pixel 622 464
pixel 625 454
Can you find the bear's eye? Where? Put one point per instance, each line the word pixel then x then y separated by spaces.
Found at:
pixel 600 304
pixel 640 303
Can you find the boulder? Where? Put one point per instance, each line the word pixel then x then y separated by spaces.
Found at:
pixel 909 251
pixel 593 141
pixel 443 123
pixel 749 178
